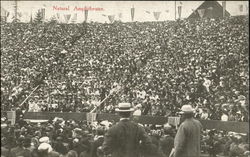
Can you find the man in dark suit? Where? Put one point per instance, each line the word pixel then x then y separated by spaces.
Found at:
pixel 126 138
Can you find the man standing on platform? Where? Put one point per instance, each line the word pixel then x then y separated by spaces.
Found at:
pixel 126 138
pixel 187 139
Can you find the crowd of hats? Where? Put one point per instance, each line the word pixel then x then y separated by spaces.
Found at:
pixel 159 65
pixel 67 137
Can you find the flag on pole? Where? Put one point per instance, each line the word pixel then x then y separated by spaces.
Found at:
pixel 157 15
pixel 111 18
pixel 201 12
pixel 132 13
pixel 86 12
pixel 67 17
pixel 179 11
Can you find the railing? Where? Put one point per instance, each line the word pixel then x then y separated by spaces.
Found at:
pixel 241 127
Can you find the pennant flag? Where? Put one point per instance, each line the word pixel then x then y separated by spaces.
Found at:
pixel 132 13
pixel 201 12
pixel 241 8
pixel 179 11
pixel 157 15
pixel 86 12
pixel 74 18
pixel 148 12
pixel 111 18
pixel 67 17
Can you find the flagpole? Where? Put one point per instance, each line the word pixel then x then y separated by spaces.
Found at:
pixel 29 95
pixel 15 10
pixel 175 10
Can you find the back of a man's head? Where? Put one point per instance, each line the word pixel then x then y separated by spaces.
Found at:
pixel 124 114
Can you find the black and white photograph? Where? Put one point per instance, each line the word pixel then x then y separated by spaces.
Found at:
pixel 124 78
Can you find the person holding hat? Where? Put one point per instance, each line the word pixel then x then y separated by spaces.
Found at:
pixel 123 139
pixel 187 139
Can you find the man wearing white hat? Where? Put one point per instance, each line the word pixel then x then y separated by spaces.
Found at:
pixel 123 139
pixel 187 139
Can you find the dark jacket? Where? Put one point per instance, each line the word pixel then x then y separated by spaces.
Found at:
pixel 123 139
pixel 166 145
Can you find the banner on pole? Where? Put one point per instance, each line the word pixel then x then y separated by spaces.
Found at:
pixel 179 11
pixel 132 13
pixel 86 13
pixel 111 18
pixel 157 15
pixel 67 17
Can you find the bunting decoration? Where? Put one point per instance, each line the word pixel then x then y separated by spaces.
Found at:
pixel 179 11
pixel 201 12
pixel 157 15
pixel 132 13
pixel 86 12
pixel 111 18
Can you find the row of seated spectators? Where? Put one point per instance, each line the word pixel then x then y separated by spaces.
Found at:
pixel 70 138
pixel 159 66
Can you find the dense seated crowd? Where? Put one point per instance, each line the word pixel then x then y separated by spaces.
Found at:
pixel 70 138
pixel 159 66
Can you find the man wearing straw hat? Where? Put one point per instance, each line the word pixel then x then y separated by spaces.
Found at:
pixel 187 139
pixel 124 138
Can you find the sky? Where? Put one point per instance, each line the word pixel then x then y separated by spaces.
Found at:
pixel 28 8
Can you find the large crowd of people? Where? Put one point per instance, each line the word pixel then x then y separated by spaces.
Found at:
pixel 157 66
pixel 71 138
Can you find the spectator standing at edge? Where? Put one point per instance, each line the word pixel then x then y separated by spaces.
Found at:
pixel 123 139
pixel 187 139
